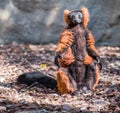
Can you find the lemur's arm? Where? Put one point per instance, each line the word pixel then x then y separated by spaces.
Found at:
pixel 91 49
pixel 66 40
pixel 63 58
pixel 63 51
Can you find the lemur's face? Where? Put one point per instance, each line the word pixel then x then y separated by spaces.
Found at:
pixel 75 17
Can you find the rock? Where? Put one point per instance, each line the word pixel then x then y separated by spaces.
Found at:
pixel 105 31
pixel 34 21
pixel 2 78
pixel 67 106
pixel 35 111
pixel 100 102
pixel 3 108
pixel 55 112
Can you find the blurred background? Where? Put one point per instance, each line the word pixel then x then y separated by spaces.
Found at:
pixel 41 21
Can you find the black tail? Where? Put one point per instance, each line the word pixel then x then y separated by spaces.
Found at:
pixel 31 77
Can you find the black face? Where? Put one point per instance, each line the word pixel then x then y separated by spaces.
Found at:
pixel 75 17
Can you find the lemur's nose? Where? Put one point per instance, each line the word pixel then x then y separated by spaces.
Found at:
pixel 74 20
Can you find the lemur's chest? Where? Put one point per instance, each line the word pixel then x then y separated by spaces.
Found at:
pixel 79 42
pixel 79 39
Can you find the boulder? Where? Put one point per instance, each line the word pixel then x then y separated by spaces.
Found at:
pixel 41 21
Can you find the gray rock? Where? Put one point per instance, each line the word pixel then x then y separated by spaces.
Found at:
pixel 35 111
pixel 2 78
pixel 100 102
pixel 3 108
pixel 66 106
pixel 41 21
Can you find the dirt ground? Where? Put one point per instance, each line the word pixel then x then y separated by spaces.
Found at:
pixel 16 59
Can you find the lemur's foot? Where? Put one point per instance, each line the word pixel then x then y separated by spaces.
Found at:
pixel 84 89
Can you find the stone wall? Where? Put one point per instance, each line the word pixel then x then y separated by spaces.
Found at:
pixel 41 21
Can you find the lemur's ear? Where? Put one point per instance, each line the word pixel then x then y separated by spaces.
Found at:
pixel 86 16
pixel 66 15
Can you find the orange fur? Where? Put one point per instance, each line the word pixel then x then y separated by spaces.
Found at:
pixel 68 58
pixel 63 48
pixel 66 40
pixel 97 77
pixel 88 59
pixel 66 19
pixel 90 40
pixel 63 83
pixel 85 13
pixel 90 44
pixel 86 16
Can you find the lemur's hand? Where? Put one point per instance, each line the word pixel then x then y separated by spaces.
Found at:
pixel 98 59
pixel 56 62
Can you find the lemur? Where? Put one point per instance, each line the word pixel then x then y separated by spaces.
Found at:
pixel 77 58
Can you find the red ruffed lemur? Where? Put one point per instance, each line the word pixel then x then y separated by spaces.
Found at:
pixel 77 58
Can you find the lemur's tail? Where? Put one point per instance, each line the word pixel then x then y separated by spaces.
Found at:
pixel 31 77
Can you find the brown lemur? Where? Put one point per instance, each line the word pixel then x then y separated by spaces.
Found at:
pixel 77 58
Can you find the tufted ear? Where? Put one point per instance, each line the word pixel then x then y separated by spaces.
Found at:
pixel 66 14
pixel 86 16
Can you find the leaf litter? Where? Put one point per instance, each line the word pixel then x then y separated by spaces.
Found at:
pixel 16 59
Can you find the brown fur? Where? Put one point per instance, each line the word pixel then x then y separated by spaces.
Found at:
pixel 63 83
pixel 74 51
pixel 66 40
pixel 90 44
pixel 66 19
pixel 97 77
pixel 77 68
pixel 67 58
pixel 88 59
pixel 92 76
pixel 74 47
pixel 86 16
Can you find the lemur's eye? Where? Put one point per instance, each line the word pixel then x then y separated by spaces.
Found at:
pixel 80 15
pixel 73 16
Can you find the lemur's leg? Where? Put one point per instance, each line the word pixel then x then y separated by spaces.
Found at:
pixel 92 75
pixel 63 82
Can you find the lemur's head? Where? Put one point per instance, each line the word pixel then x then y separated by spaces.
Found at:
pixel 76 17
